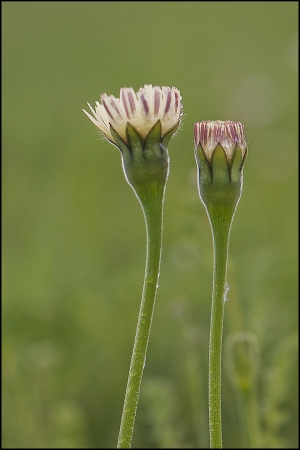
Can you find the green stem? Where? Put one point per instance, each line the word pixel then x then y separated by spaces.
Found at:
pixel 220 219
pixel 152 205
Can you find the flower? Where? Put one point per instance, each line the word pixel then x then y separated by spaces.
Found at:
pixel 142 110
pixel 220 152
pixel 141 124
pixel 228 134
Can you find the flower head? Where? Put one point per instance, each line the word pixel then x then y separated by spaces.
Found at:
pixel 228 134
pixel 142 110
pixel 220 152
pixel 141 124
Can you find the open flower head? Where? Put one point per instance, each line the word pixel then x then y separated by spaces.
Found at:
pixel 228 134
pixel 142 110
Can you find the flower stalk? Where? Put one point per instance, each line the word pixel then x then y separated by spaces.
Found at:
pixel 149 184
pixel 141 125
pixel 153 219
pixel 220 152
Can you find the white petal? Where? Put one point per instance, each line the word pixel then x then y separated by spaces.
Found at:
pixel 142 110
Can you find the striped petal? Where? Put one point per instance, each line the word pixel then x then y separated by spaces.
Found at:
pixel 142 110
pixel 209 134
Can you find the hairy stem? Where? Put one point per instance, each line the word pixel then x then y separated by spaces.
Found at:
pixel 220 220
pixel 152 206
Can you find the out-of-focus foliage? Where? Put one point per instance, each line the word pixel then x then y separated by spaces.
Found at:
pixel 73 233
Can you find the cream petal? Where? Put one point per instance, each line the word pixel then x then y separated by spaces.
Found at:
pixel 141 109
pixel 95 122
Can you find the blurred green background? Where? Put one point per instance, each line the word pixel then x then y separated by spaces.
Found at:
pixel 73 232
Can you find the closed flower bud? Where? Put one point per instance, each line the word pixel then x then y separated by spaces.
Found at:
pixel 220 152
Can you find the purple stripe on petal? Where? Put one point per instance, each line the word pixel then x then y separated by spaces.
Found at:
pixel 240 133
pixel 145 104
pixel 201 129
pixel 131 101
pixel 204 133
pixel 233 132
pixel 107 109
pixel 176 100
pixel 214 134
pixel 125 103
pixel 168 103
pixel 219 134
pixel 156 102
pixel 114 106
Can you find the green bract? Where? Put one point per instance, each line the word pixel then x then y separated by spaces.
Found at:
pixel 220 178
pixel 220 152
pixel 145 161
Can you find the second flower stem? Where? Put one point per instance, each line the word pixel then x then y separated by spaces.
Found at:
pixel 152 206
pixel 220 220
